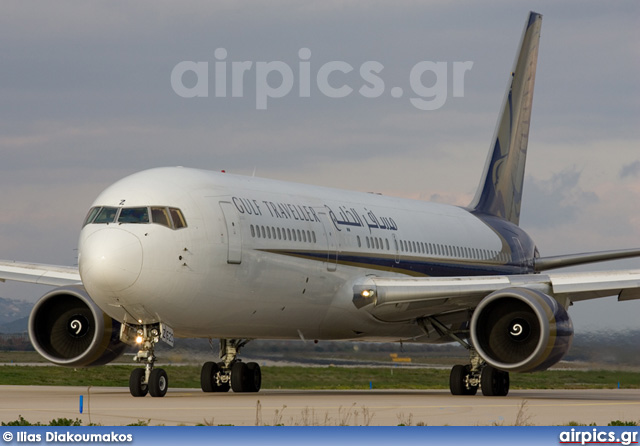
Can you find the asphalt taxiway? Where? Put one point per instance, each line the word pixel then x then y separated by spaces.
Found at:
pixel 114 406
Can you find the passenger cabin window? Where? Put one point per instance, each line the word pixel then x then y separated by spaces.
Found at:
pixel 278 233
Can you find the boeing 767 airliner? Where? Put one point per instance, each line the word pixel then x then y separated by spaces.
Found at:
pixel 183 252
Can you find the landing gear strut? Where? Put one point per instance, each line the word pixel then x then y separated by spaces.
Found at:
pixel 230 372
pixel 466 379
pixel 147 380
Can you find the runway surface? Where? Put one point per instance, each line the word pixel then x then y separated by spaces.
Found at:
pixel 114 406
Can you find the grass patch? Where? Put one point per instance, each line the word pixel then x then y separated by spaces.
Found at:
pixel 56 422
pixel 10 356
pixel 317 378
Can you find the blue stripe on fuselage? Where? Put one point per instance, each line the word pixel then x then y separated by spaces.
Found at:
pixel 517 244
pixel 412 266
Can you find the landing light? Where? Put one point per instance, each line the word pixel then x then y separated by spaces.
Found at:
pixel 368 293
pixel 139 339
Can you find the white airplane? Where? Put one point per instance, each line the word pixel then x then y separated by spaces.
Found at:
pixel 190 253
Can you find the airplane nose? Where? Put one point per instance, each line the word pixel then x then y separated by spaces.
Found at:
pixel 110 259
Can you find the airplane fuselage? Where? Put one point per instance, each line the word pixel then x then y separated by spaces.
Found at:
pixel 259 258
pixel 185 252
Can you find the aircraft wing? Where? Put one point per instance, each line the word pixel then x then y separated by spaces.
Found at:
pixel 39 273
pixel 401 297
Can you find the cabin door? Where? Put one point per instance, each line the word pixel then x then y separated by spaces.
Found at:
pixel 332 250
pixel 234 236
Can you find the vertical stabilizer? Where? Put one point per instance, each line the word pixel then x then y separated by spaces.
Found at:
pixel 500 190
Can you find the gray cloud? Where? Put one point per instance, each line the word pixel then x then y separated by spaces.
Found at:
pixel 630 170
pixel 556 201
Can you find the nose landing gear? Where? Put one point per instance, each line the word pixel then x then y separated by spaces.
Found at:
pixel 153 381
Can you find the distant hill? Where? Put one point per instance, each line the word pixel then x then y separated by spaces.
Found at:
pixel 17 326
pixel 12 309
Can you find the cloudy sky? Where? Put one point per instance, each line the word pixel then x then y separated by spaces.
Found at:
pixel 87 98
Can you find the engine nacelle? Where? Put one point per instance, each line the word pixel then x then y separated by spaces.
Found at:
pixel 67 328
pixel 521 330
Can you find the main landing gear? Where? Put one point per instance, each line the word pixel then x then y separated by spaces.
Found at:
pixel 153 381
pixel 230 373
pixel 466 379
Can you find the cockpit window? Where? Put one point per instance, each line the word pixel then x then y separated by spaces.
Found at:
pixel 134 215
pixel 91 216
pixel 165 216
pixel 160 216
pixel 106 215
pixel 178 218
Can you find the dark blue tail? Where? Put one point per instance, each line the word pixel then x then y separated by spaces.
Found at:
pixel 500 190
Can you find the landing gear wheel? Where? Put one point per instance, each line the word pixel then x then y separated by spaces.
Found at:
pixel 239 372
pixel 458 381
pixel 158 383
pixel 209 378
pixel 253 378
pixel 494 382
pixel 137 387
pixel 246 377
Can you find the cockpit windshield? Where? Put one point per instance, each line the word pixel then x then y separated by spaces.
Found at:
pixel 134 215
pixel 161 215
pixel 106 215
